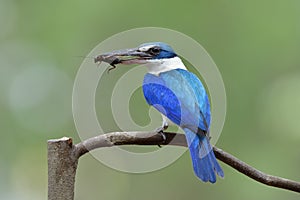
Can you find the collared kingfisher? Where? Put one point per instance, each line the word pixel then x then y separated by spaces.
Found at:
pixel 178 95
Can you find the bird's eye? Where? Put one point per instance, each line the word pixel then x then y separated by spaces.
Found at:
pixel 154 50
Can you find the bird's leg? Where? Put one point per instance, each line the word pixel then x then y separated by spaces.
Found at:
pixel 161 129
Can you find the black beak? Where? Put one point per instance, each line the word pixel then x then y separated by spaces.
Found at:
pixel 126 56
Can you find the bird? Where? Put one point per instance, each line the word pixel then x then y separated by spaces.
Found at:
pixel 178 95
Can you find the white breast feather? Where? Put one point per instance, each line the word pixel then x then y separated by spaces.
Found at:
pixel 163 65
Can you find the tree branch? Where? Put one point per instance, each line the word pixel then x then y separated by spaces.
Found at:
pixel 153 138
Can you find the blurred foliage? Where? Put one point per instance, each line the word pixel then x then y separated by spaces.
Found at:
pixel 255 44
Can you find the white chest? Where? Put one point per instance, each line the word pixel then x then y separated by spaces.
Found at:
pixel 163 65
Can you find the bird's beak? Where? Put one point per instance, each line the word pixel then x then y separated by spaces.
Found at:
pixel 126 56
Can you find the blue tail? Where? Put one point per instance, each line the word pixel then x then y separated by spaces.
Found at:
pixel 203 158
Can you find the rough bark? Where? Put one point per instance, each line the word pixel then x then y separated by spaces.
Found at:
pixel 62 165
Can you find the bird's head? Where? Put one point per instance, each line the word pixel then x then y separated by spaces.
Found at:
pixel 158 56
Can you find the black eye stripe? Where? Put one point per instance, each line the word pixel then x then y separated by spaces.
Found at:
pixel 154 50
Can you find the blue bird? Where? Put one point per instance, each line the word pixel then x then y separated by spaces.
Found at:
pixel 179 96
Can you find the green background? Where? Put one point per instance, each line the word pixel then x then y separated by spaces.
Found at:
pixel 255 44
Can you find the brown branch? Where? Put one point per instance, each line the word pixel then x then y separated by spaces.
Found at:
pixel 63 159
pixel 255 174
pixel 153 138
pixel 129 138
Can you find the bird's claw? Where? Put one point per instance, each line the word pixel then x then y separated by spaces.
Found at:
pixel 160 130
pixel 164 138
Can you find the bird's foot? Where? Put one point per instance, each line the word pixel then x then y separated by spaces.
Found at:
pixel 161 129
pixel 161 132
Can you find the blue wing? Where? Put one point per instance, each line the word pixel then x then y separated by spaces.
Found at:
pixel 180 96
pixel 162 98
